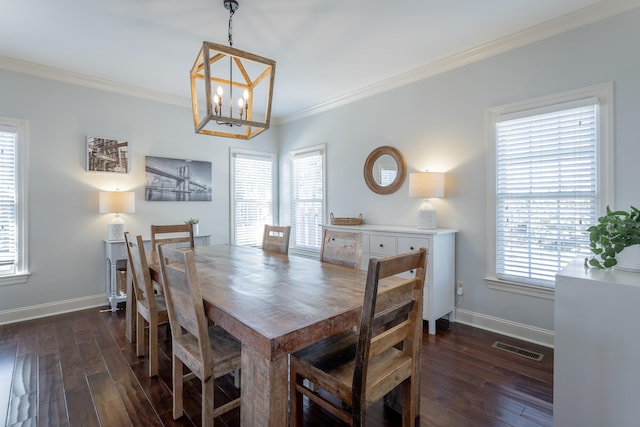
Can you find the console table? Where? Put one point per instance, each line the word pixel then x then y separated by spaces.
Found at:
pixel 116 253
pixel 379 241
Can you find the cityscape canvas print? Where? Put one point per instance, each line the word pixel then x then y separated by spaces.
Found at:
pixel 177 180
pixel 107 155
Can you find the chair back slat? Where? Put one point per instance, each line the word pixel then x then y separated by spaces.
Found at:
pixel 340 247
pixel 139 268
pixel 182 294
pixel 276 238
pixel 173 234
pixel 394 318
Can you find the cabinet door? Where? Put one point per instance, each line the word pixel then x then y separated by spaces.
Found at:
pixel 380 244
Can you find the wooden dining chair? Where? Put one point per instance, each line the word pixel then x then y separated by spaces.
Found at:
pixel 176 234
pixel 276 238
pixel 359 368
pixel 340 247
pixel 208 351
pixel 150 307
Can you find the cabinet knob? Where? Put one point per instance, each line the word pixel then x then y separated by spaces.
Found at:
pixel 381 245
pixel 412 248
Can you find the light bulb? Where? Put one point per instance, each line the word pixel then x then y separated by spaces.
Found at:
pixel 220 91
pixel 246 94
pixel 241 103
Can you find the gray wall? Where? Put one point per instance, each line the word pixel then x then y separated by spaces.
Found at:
pixel 66 232
pixel 439 123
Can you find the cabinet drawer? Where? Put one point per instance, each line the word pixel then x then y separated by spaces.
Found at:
pixel 382 245
pixel 407 244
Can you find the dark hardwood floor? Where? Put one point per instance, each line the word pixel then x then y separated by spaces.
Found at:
pixel 77 369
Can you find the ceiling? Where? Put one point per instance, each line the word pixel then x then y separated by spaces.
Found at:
pixel 326 50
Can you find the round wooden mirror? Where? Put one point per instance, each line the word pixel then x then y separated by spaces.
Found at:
pixel 385 170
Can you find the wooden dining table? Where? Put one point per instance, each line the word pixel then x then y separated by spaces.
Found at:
pixel 274 305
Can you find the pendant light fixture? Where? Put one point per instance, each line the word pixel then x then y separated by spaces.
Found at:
pixel 231 90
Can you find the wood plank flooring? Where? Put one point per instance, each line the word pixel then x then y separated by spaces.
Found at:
pixel 77 369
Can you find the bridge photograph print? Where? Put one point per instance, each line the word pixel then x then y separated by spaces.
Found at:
pixel 177 180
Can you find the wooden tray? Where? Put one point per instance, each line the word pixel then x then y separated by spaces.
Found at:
pixel 346 221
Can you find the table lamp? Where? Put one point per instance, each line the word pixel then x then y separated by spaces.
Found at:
pixel 426 185
pixel 117 202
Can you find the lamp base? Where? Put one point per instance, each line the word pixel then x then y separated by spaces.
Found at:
pixel 115 231
pixel 426 216
pixel 427 220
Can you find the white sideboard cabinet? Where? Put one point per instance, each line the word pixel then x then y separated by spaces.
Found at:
pixel 379 241
pixel 596 374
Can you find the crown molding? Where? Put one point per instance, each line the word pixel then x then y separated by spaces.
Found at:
pixel 39 70
pixel 588 15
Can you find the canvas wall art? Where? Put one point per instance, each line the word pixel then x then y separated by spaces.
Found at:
pixel 177 180
pixel 107 155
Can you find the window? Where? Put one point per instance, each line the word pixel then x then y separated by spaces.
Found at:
pixel 13 202
pixel 252 195
pixel 307 199
pixel 549 159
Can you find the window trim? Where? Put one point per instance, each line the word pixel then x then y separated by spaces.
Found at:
pixel 21 275
pixel 274 185
pixel 604 93
pixel 293 248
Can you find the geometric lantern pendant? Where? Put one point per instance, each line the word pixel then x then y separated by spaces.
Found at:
pixel 231 92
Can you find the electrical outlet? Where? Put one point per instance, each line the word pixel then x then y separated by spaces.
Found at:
pixel 460 288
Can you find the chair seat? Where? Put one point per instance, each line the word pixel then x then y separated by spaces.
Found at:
pixel 225 350
pixel 161 307
pixel 334 358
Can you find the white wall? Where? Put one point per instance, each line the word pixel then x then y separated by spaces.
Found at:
pixel 439 124
pixel 66 232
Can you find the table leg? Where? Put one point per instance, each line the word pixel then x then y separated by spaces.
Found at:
pixel 264 390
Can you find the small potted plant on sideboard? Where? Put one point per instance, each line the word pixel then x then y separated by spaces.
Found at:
pixel 195 222
pixel 615 240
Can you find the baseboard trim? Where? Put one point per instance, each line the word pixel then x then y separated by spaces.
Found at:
pixel 50 309
pixel 521 331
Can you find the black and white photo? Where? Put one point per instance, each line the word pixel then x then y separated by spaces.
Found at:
pixel 107 155
pixel 177 180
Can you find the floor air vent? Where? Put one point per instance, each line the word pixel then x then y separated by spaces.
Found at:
pixel 519 351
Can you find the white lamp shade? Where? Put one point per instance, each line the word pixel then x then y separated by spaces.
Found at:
pixel 117 202
pixel 426 184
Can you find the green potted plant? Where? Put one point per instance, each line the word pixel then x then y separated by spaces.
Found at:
pixel 194 222
pixel 614 232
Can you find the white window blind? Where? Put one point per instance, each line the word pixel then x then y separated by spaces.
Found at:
pixel 307 198
pixel 546 191
pixel 8 199
pixel 252 196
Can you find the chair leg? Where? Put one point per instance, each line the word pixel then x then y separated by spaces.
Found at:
pixel 140 335
pixel 207 402
pixel 153 349
pixel 177 387
pixel 408 404
pixel 295 400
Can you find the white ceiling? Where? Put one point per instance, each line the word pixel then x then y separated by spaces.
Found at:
pixel 324 49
